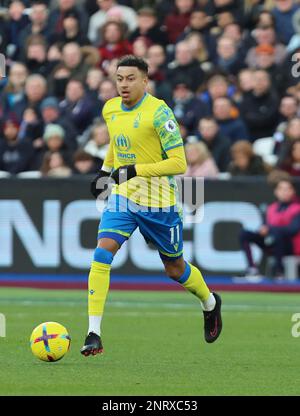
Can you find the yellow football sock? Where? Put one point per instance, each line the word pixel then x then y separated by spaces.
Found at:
pixel 99 278
pixel 193 281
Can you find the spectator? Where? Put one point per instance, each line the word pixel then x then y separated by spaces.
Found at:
pixel 228 58
pixel 245 80
pixel 186 107
pixel 140 47
pixel 14 91
pixel 185 66
pixel 56 16
pixel 58 80
pixel 265 59
pixel 54 165
pixel 217 86
pixel 149 28
pixel 54 54
pixel 38 22
pixel 98 19
pixel 199 50
pixel 223 19
pixel 217 144
pixel 291 162
pixel 97 145
pixel 77 106
pixel 259 108
pixel 31 128
pixel 107 90
pixel 114 44
pixel 15 155
pixel 288 109
pixel 35 91
pixel 72 31
pixel 36 56
pixel 84 163
pixel 93 80
pixel 279 236
pixel 17 22
pixel 200 22
pixel 283 13
pixel 223 8
pixel 178 19
pixel 199 160
pixel 265 19
pixel 265 35
pixel 156 59
pixel 74 62
pixel 230 124
pixel 282 141
pixel 54 141
pixel 245 162
pixel 51 115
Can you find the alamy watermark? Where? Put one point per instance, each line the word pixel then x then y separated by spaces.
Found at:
pixel 2 325
pixel 2 66
pixel 295 331
pixel 296 66
pixel 152 193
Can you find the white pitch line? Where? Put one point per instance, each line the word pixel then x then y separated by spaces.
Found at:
pixel 164 306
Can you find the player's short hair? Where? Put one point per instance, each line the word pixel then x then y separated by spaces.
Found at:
pixel 131 60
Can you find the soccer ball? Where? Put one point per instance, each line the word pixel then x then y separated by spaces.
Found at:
pixel 50 341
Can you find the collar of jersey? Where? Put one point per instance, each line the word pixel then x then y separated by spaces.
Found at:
pixel 136 105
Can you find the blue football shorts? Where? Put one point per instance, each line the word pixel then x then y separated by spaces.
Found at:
pixel 160 226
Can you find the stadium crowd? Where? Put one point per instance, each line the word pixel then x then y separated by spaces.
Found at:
pixel 228 68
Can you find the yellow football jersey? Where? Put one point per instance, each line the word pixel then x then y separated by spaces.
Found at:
pixel 140 135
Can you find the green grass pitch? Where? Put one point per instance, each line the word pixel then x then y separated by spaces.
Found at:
pixel 153 345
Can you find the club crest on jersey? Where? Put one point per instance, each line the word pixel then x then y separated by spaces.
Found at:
pixel 137 121
pixel 122 142
pixel 113 117
pixel 170 126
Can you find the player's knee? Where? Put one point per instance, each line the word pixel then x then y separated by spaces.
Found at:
pixel 108 244
pixel 101 255
pixel 174 269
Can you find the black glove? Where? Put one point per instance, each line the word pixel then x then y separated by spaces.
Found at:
pixel 123 174
pixel 102 184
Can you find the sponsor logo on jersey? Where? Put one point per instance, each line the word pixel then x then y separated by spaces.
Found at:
pixel 126 156
pixel 122 142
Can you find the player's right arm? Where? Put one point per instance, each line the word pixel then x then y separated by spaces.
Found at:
pixel 100 183
pixel 108 162
pixel 167 129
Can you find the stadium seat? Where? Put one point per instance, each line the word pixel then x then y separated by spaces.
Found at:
pixel 291 264
pixel 4 174
pixel 264 147
pixel 31 174
pixel 224 175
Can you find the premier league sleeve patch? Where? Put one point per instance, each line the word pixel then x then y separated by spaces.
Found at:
pixel 170 126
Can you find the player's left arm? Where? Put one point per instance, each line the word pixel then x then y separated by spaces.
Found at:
pixel 168 132
pixel 175 164
pixel 167 129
